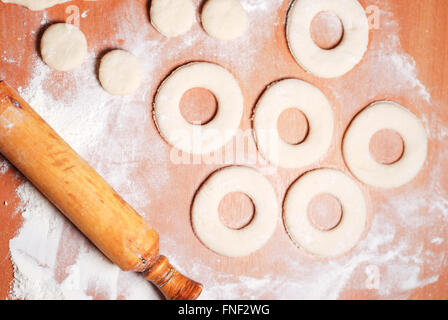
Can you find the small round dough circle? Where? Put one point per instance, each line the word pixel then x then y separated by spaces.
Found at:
pixel 339 60
pixel 283 95
pixel 224 19
pixel 120 72
pixel 199 139
pixel 346 234
pixel 356 146
pixel 205 213
pixel 63 47
pixel 172 18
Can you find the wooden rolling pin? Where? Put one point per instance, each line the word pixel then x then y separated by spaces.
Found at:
pixel 78 191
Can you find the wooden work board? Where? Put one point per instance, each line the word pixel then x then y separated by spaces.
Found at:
pixel 405 62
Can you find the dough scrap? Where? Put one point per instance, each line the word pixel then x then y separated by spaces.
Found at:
pixel 199 139
pixel 356 145
pixel 339 60
pixel 120 72
pixel 346 234
pixel 172 18
pixel 36 5
pixel 63 46
pixel 205 215
pixel 293 93
pixel 224 19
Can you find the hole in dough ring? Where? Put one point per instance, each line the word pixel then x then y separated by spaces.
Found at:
pixel 339 60
pixel 172 18
pixel 354 213
pixel 197 139
pixel 356 146
pixel 283 95
pixel 205 212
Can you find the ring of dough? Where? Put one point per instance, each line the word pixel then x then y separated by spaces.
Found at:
pixel 205 216
pixel 197 139
pixel 354 213
pixel 378 116
pixel 286 94
pixel 172 18
pixel 339 60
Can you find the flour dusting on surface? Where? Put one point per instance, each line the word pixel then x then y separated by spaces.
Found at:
pixel 82 120
pixel 53 261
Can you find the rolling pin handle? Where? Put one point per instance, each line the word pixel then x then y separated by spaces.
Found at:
pixel 173 284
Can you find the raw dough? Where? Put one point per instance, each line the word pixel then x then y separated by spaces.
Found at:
pixel 293 93
pixel 378 116
pixel 172 18
pixel 63 46
pixel 205 216
pixel 339 60
pixel 36 5
pixel 354 214
pixel 120 72
pixel 224 19
pixel 197 139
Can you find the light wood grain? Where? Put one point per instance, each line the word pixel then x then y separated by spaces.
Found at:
pixel 422 30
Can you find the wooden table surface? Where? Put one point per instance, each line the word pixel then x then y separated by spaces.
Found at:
pixel 409 30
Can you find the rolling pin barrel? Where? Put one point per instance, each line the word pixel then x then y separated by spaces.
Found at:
pixel 78 191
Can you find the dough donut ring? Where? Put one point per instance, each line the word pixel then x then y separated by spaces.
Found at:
pixel 191 138
pixel 339 60
pixel 205 216
pixel 349 230
pixel 378 116
pixel 293 93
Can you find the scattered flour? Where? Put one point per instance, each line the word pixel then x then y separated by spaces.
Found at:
pixel 403 266
pixel 260 5
pixel 8 60
pixel 93 122
pixel 82 120
pixel 4 166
